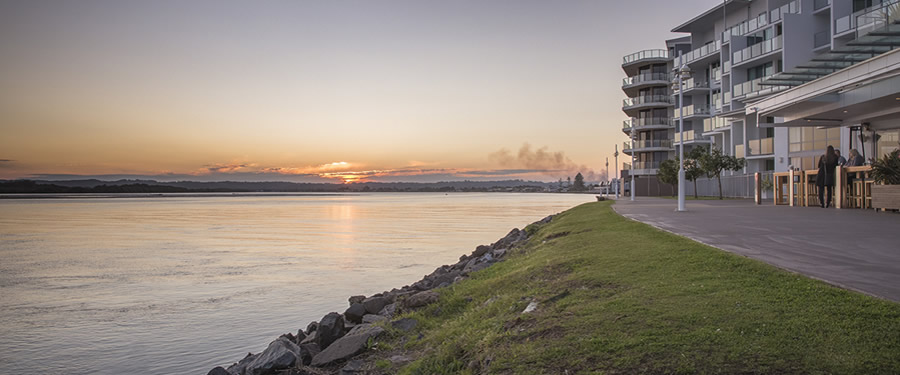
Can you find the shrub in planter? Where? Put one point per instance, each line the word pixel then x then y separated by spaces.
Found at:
pixel 886 172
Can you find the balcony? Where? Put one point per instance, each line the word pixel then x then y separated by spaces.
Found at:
pixel 716 74
pixel 754 88
pixel 700 53
pixel 869 20
pixel 690 137
pixel 820 4
pixel 757 50
pixel 648 145
pixel 761 21
pixel 648 101
pixel 642 167
pixel 647 123
pixel 692 110
pixel 715 124
pixel 694 84
pixel 738 151
pixel 630 62
pixel 632 84
pixel 821 39
pixel 760 147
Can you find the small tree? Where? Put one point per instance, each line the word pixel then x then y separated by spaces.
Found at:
pixel 579 182
pixel 715 162
pixel 668 173
pixel 692 168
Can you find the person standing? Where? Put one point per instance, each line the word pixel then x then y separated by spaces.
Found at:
pixel 825 177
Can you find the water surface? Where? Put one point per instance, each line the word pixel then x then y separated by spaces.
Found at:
pixel 178 285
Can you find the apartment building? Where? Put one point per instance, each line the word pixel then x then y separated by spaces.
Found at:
pixel 743 52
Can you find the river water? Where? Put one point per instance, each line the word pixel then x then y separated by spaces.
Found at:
pixel 180 284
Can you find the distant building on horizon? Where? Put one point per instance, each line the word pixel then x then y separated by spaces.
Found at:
pixel 764 88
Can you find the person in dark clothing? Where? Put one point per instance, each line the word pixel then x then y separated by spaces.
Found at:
pixel 825 177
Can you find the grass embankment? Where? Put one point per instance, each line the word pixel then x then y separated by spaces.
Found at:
pixel 617 296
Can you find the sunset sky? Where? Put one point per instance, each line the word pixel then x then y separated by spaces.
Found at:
pixel 319 90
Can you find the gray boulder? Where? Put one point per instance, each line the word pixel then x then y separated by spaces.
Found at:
pixel 374 304
pixel 356 299
pixel 307 352
pixel 240 367
pixel 372 318
pixel 480 250
pixel 331 328
pixel 353 367
pixel 389 310
pixel 218 371
pixel 353 343
pixel 514 236
pixel 421 299
pixel 355 312
pixel 404 324
pixel 311 327
pixel 281 354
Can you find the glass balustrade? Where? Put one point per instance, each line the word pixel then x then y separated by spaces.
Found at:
pixel 764 146
pixel 754 86
pixel 646 121
pixel 757 50
pixel 631 102
pixel 693 110
pixel 739 151
pixel 646 54
pixel 715 123
pixel 702 52
pixel 762 20
pixel 821 39
pixel 646 165
pixel 819 4
pixel 646 77
pixel 655 143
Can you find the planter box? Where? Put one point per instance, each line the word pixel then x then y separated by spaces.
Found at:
pixel 886 196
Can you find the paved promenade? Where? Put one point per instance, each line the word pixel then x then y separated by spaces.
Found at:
pixel 854 249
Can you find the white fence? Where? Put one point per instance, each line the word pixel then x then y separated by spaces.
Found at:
pixel 737 186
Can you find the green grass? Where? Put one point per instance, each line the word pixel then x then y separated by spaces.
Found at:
pixel 620 297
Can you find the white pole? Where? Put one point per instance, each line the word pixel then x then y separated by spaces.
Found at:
pixel 681 135
pixel 616 161
pixel 633 139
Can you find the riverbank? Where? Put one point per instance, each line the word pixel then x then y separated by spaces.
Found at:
pixel 592 291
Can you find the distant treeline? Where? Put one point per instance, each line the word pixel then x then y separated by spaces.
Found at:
pixel 149 186
pixel 32 187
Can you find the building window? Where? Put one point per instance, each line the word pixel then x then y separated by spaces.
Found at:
pixel 806 144
pixel 888 142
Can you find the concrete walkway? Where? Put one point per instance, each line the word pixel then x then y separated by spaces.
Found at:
pixel 853 249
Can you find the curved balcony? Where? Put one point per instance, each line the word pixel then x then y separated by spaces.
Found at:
pixel 647 123
pixel 630 63
pixel 649 145
pixel 632 106
pixel 632 85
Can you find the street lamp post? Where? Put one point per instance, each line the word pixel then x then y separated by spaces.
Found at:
pixel 680 73
pixel 633 139
pixel 606 193
pixel 616 161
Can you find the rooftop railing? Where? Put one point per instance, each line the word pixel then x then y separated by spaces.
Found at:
pixel 757 50
pixel 646 77
pixel 646 54
pixel 762 20
pixel 702 52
